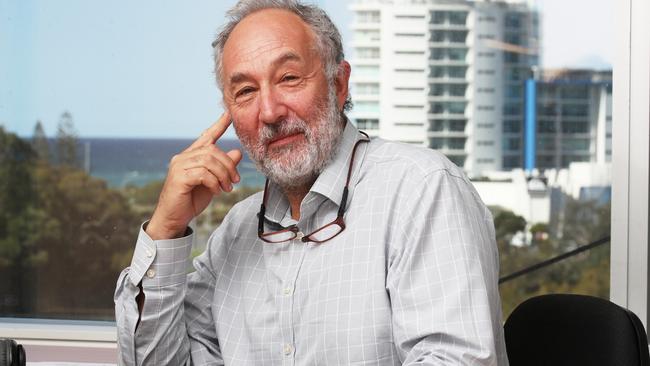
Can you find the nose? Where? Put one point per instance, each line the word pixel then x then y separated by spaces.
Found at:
pixel 272 107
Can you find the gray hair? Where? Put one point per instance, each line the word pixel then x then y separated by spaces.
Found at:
pixel 328 38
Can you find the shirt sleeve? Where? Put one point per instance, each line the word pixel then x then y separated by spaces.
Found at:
pixel 443 276
pixel 163 337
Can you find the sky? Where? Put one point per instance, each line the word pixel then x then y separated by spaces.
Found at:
pixel 144 68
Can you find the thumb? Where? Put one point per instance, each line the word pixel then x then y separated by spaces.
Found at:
pixel 235 155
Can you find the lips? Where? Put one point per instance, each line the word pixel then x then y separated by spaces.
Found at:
pixel 285 139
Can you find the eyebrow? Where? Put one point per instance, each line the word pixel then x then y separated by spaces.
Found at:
pixel 285 57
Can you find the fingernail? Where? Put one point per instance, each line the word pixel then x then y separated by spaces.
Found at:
pixel 229 187
pixel 236 178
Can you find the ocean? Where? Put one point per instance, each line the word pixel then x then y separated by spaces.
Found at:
pixel 135 161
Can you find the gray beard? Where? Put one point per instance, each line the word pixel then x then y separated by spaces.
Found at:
pixel 294 166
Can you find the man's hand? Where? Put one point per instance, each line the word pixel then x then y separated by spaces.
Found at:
pixel 195 175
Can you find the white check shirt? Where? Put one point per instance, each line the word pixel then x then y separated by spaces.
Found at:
pixel 412 280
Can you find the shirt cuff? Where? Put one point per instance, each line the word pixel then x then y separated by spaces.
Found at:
pixel 159 263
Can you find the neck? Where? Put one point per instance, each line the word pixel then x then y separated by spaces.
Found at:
pixel 295 195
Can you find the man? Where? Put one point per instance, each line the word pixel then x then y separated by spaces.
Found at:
pixel 357 252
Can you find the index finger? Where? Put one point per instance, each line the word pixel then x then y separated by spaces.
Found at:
pixel 212 134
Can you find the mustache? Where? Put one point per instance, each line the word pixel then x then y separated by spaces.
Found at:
pixel 286 127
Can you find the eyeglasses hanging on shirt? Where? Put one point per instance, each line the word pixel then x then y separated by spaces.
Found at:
pixel 320 235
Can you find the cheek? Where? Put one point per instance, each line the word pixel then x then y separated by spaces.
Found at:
pixel 243 128
pixel 244 122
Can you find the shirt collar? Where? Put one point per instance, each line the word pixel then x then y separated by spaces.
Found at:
pixel 329 183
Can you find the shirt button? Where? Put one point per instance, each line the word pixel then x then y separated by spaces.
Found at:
pixel 149 253
pixel 151 273
pixel 287 290
pixel 287 349
pixel 299 235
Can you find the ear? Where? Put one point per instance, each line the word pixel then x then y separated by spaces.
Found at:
pixel 342 81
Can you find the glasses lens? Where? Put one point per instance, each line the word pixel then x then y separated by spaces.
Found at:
pixel 279 236
pixel 326 233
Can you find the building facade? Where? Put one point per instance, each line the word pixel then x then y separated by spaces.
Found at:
pixel 568 118
pixel 445 74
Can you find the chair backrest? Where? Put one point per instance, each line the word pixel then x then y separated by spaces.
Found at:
pixel 562 329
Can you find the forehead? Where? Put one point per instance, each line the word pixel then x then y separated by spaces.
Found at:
pixel 264 34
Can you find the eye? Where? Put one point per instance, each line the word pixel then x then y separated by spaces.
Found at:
pixel 289 77
pixel 243 92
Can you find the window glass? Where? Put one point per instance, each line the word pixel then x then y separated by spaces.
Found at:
pixel 97 100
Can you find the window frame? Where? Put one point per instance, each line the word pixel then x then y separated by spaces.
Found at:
pixel 629 256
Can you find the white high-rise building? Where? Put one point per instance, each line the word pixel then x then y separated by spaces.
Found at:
pixel 446 74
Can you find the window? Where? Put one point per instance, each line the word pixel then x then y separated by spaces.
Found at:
pixel 437 90
pixel 457 36
pixel 457 17
pixel 448 107
pixel 546 143
pixel 575 144
pixel 575 110
pixel 513 38
pixel 437 126
pixel 367 52
pixel 457 125
pixel 513 20
pixel 438 17
pixel 511 162
pixel 512 144
pixel 366 107
pixel 367 124
pixel 564 122
pixel 511 57
pixel 402 16
pixel 547 109
pixel 575 92
pixel 409 70
pixel 409 106
pixel 456 143
pixel 368 17
pixel 487 19
pixel 575 127
pixel 456 54
pixel 366 70
pixel 457 90
pixel 437 143
pixel 485 143
pixel 409 52
pixel 546 126
pixel 409 34
pixel 456 72
pixel 367 88
pixel 485 72
pixel 512 109
pixel 402 88
pixel 409 124
pixel 367 35
pixel 514 91
pixel 512 126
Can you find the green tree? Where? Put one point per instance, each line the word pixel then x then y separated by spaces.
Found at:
pixel 63 235
pixel 587 273
pixel 39 142
pixel 89 232
pixel 18 250
pixel 66 141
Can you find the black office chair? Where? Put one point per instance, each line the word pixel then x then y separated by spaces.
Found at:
pixel 575 330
